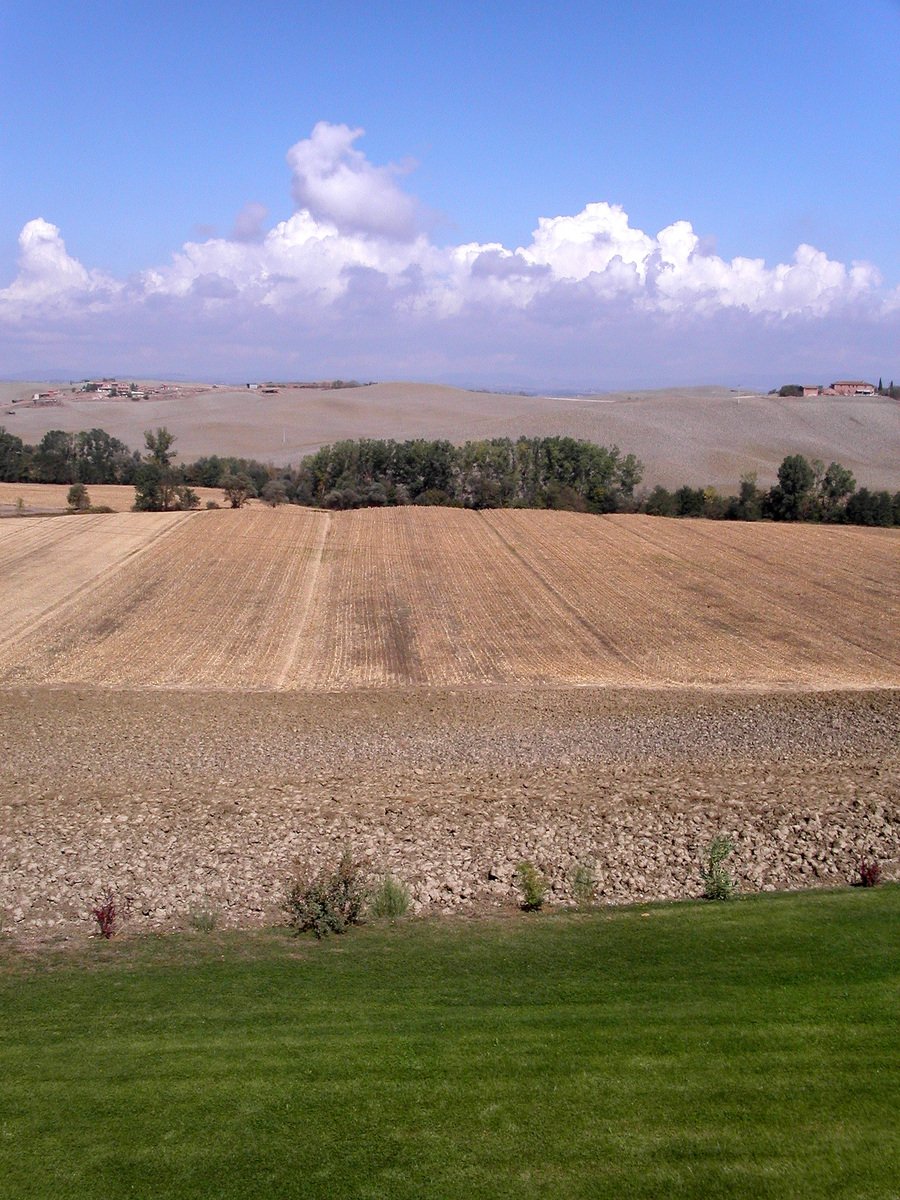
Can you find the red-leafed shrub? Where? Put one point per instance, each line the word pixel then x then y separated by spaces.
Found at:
pixel 868 873
pixel 105 914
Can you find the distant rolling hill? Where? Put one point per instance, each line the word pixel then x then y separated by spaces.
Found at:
pixel 708 435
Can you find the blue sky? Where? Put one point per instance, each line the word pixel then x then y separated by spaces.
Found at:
pixel 135 130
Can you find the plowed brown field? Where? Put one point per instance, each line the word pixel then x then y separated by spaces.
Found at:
pixel 295 599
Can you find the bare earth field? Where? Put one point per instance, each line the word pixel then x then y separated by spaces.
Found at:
pixel 193 705
pixel 706 435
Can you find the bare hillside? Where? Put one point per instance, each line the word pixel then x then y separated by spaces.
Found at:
pixel 696 435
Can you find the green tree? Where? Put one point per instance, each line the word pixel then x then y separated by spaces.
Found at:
pixel 13 457
pixel 660 503
pixel 148 488
pixel 159 486
pixel 78 499
pixel 837 484
pixel 274 493
pixel 749 501
pixel 795 475
pixel 102 459
pixel 689 502
pixel 238 489
pixel 55 459
pixel 159 445
pixel 792 497
pixel 185 497
pixel 870 508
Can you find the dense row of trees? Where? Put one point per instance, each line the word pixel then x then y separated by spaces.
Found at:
pixel 91 456
pixel 94 457
pixel 568 474
pixel 805 491
pixel 531 472
pixel 553 472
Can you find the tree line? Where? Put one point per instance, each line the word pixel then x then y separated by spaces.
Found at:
pixel 550 472
pixel 804 491
pixel 93 456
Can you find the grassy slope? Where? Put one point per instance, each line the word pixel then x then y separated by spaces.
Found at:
pixel 740 1050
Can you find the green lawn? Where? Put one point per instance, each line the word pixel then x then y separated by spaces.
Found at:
pixel 746 1049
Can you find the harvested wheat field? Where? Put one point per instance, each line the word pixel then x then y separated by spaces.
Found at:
pixel 194 705
pixel 299 599
pixel 44 563
pixel 52 497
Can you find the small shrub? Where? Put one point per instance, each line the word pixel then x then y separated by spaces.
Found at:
pixel 274 493
pixel 584 886
pixel 105 914
pixel 533 886
pixel 186 498
pixel 20 507
pixel 101 508
pixel 717 882
pixel 78 499
pixel 203 918
pixel 390 899
pixel 330 902
pixel 213 504
pixel 868 873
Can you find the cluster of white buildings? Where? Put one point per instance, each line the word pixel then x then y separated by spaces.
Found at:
pixel 842 387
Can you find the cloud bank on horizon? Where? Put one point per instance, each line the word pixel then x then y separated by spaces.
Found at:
pixel 354 282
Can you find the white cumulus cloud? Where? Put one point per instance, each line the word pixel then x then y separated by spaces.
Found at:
pixel 335 182
pixel 47 271
pixel 353 261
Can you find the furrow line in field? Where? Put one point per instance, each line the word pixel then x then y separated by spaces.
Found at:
pixel 561 600
pixel 59 611
pixel 649 608
pixel 307 598
pixel 715 639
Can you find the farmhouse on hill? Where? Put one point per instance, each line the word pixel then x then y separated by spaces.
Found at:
pixel 851 387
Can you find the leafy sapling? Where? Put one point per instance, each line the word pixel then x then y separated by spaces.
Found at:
pixel 533 886
pixel 717 882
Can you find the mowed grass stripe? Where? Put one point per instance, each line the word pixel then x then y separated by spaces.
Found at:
pixel 746 1050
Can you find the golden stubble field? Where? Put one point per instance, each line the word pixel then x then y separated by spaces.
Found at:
pixel 52 497
pixel 299 600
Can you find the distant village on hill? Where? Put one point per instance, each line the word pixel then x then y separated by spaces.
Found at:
pixel 841 387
